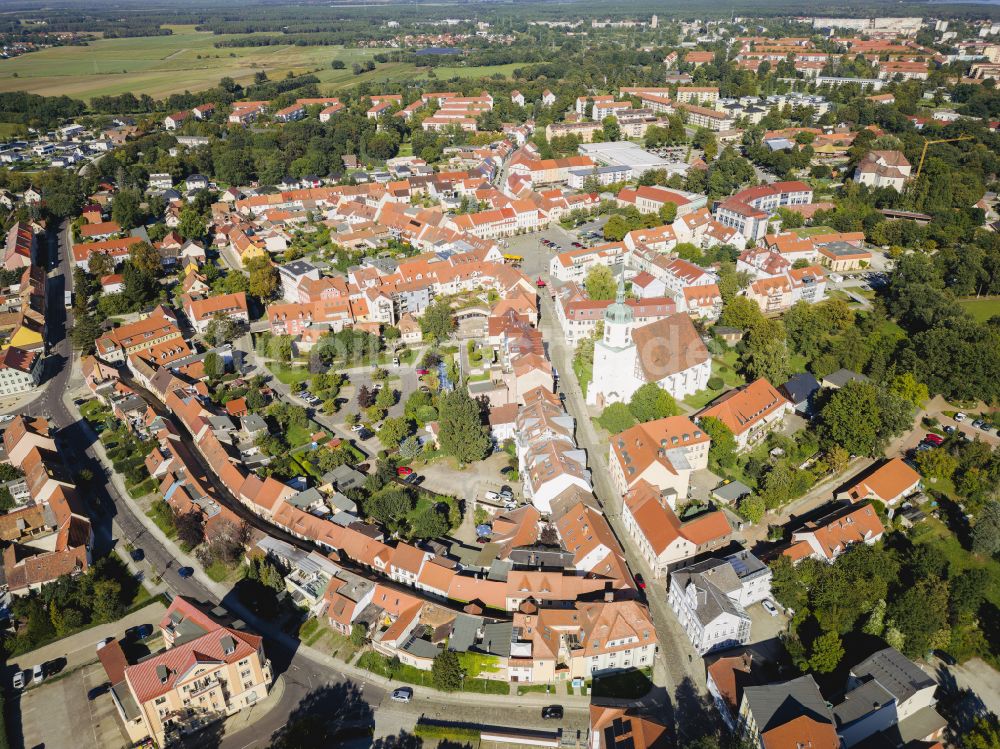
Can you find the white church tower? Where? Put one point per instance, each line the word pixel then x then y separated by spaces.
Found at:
pixel 615 356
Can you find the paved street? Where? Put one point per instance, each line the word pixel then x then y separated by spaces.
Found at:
pixel 677 661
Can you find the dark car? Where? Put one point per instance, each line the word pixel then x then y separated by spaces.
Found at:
pixel 97 691
pixel 185 572
pixel 552 712
pixel 639 581
pixel 137 555
pixel 139 632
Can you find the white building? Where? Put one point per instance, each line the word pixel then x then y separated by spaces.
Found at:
pixel 20 371
pixel 709 599
pixel 668 352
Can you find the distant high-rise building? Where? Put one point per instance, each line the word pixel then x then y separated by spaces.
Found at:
pixel 654 22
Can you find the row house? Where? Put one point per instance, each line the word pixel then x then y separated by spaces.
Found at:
pixel 159 326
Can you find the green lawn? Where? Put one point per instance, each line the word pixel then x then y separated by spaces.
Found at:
pixel 935 533
pixel 983 308
pixel 289 374
pixel 219 571
pixel 164 519
pixel 723 366
pixel 812 231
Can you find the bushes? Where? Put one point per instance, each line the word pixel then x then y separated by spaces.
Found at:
pixel 716 383
pixel 459 733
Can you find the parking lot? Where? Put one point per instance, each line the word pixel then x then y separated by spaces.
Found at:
pixel 58 713
pixel 537 255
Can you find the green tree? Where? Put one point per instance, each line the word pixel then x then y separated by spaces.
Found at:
pixel 827 652
pixel 752 508
pixel 984 734
pixel 394 431
pixel 907 386
pixel 192 223
pixel 936 464
pixel 6 499
pixel 389 505
pixel 438 321
pixel 446 671
pixel 668 213
pixel 221 329
pixel 876 620
pixel 919 612
pixel 617 418
pixel 126 208
pixel 106 601
pixel 215 367
pixel 651 402
pixel 264 280
pixel 861 419
pixel 722 451
pixel 429 523
pixel 600 283
pixel 741 313
pixel 461 431
pixel 612 130
pixel 359 633
pixel 765 356
pixel 986 531
pixel 615 229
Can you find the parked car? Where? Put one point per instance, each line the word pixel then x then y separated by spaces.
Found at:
pixel 395 361
pixel 423 371
pixel 769 607
pixel 977 423
pixel 960 416
pixel 357 428
pixel 18 682
pixel 403 694
pixel 933 439
pixel 185 572
pixel 491 496
pixel 102 643
pixel 97 691
pixel 137 555
pixel 38 674
pixel 139 632
pixel 639 581
pixel 404 471
pixel 949 429
pixel 552 712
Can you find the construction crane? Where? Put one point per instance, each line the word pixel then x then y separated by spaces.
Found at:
pixel 923 153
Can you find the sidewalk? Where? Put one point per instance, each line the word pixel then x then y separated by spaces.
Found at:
pixel 250 715
pixel 81 648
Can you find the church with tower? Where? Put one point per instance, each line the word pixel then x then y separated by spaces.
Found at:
pixel 668 352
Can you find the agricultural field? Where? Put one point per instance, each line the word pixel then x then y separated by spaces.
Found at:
pixel 184 61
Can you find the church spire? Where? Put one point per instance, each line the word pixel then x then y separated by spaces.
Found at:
pixel 618 313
